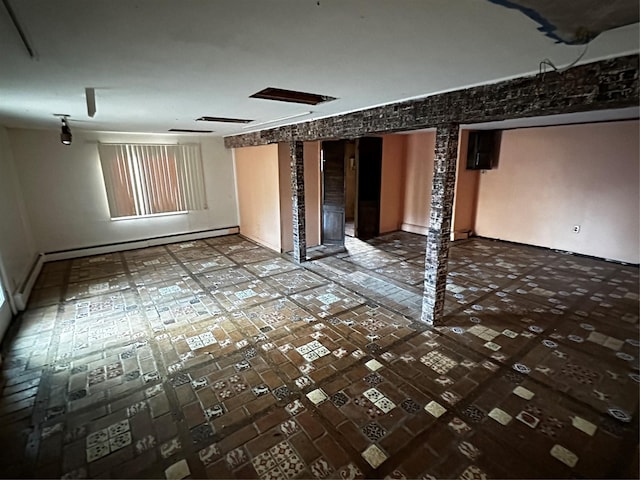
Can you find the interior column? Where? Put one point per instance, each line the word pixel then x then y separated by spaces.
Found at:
pixel 297 194
pixel 439 234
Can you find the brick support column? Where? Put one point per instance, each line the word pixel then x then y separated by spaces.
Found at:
pixel 438 237
pixel 297 197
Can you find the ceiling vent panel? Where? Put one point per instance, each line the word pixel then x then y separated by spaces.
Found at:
pixel 281 95
pixel 186 130
pixel 223 120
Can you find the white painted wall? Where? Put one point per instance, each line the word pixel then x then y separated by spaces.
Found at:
pixel 17 250
pixel 65 198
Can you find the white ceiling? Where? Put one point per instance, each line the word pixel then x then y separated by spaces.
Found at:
pixel 160 64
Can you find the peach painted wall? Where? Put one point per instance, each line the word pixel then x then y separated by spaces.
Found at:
pixel 420 149
pixel 258 194
pixel 466 192
pixel 311 195
pixel 392 185
pixel 312 192
pixel 286 205
pixel 550 179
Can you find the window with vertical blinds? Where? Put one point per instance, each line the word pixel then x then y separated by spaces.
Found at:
pixel 143 180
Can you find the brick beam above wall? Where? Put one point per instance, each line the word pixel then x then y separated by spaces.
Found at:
pixel 607 84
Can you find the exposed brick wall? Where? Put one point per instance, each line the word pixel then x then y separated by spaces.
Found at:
pixel 439 233
pixel 297 197
pixel 595 86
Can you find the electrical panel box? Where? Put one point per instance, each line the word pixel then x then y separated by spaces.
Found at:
pixel 483 149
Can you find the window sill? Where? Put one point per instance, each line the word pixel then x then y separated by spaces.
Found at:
pixel 153 215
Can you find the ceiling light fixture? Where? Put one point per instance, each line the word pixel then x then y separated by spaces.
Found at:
pixel 65 134
pixel 281 119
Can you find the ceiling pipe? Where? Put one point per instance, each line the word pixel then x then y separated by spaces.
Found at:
pixel 16 24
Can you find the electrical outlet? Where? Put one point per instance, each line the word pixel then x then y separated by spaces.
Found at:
pixel 576 229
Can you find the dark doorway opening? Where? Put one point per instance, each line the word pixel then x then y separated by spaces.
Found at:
pixel 369 178
pixel 351 178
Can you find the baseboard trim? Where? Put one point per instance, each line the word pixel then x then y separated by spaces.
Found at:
pixel 262 243
pixel 411 228
pixel 557 250
pixel 460 235
pixel 21 297
pixel 134 244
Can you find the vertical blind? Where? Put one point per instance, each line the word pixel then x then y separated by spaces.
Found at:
pixel 150 179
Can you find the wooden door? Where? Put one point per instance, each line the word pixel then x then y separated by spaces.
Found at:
pixel 333 197
pixel 369 179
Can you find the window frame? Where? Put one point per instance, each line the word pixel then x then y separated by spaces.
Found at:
pixel 134 182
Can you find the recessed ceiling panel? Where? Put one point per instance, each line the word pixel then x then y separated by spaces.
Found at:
pixel 223 120
pixel 187 130
pixel 282 95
